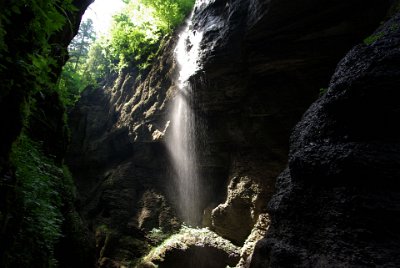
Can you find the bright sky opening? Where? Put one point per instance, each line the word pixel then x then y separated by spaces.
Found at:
pixel 101 12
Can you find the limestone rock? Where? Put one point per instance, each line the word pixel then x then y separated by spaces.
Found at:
pixel 155 213
pixel 259 231
pixel 337 203
pixel 235 218
pixel 199 248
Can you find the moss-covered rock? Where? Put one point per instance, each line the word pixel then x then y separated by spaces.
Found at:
pixel 193 248
pixel 46 230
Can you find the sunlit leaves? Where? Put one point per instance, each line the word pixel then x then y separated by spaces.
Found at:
pixel 75 76
pixel 79 47
pixel 133 41
pixel 139 28
pixel 170 13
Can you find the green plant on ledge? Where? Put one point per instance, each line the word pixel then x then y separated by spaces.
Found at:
pixel 322 91
pixel 39 203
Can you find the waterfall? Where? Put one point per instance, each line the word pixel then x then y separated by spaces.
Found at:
pixel 181 141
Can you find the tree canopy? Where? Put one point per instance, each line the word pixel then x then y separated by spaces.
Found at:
pixel 133 40
pixel 138 29
pixel 75 76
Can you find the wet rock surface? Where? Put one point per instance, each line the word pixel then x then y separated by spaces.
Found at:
pixel 337 202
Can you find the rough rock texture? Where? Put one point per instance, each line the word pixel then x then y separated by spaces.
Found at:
pixel 337 203
pixel 193 248
pixel 235 218
pixel 257 233
pixel 262 63
pixel 121 169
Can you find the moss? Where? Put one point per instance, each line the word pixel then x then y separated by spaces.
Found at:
pixel 322 91
pixel 39 203
pixel 183 240
pixel 156 236
pixel 373 38
pixel 376 36
pixel 47 229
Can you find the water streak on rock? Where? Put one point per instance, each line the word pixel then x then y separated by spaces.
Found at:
pixel 182 139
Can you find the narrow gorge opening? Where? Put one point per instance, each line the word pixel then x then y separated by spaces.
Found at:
pixel 175 133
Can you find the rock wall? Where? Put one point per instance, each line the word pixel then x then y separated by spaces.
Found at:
pixel 337 202
pixel 263 63
pixel 39 224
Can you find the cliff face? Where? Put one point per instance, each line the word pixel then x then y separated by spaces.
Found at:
pixel 262 64
pixel 18 42
pixel 337 202
pixel 39 225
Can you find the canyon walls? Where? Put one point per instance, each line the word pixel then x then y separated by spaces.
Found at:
pixel 262 63
pixel 337 202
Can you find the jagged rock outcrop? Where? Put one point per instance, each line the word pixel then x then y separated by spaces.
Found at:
pixel 257 233
pixel 236 217
pixel 337 203
pixel 262 63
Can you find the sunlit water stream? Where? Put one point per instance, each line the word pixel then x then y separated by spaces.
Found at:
pixel 182 141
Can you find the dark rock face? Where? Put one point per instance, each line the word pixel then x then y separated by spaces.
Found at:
pixel 198 256
pixel 263 62
pixel 42 123
pixel 13 95
pixel 337 203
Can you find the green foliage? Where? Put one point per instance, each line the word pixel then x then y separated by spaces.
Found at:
pixel 100 64
pixel 37 191
pixel 28 65
pixel 375 37
pixel 186 238
pixel 47 224
pixel 70 85
pixel 79 47
pixel 138 30
pixel 134 41
pixel 27 61
pixel 75 76
pixel 156 236
pixel 322 91
pixel 170 13
pixel 134 35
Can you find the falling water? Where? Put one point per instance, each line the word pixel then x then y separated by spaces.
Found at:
pixel 182 139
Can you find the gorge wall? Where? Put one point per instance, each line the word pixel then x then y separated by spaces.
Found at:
pixel 39 225
pixel 262 64
pixel 337 203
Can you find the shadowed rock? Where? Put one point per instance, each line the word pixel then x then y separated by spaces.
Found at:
pixel 337 203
